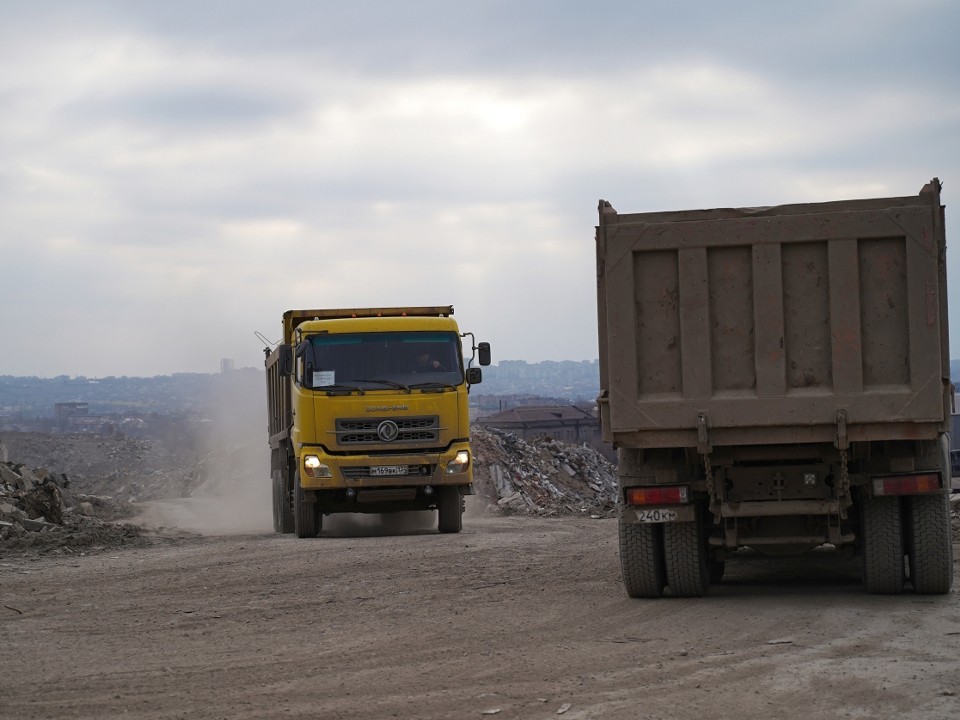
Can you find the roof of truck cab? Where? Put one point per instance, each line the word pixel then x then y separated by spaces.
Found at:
pixel 380 324
pixel 294 318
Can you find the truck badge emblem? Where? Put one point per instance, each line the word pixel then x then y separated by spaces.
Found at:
pixel 388 431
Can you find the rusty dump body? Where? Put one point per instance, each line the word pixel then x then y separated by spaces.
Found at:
pixel 778 378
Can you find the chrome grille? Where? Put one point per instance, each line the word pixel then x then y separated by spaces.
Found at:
pixel 363 431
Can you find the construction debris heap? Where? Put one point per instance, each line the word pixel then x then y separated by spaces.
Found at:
pixel 542 476
pixel 39 510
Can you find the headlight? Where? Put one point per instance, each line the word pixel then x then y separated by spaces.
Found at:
pixel 312 467
pixel 459 464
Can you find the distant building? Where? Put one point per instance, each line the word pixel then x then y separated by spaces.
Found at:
pixel 226 366
pixel 568 423
pixel 68 414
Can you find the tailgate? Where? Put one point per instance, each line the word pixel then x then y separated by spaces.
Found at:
pixel 773 320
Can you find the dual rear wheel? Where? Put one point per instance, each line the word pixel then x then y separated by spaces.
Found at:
pixel 656 556
pixel 917 527
pixel 282 510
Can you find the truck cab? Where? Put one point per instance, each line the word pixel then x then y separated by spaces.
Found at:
pixel 369 414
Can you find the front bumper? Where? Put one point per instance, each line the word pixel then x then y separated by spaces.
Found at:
pixel 358 471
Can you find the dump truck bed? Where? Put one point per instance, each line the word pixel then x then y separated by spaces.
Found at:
pixel 774 325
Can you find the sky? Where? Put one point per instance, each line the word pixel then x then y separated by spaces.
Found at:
pixel 175 175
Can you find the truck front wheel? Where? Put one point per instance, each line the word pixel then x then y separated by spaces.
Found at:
pixel 306 515
pixel 449 509
pixel 882 545
pixel 641 559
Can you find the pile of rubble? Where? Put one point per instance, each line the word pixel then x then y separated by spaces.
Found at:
pixel 542 476
pixel 39 510
pixel 45 510
pixel 126 468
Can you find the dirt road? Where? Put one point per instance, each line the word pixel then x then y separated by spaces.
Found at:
pixel 513 618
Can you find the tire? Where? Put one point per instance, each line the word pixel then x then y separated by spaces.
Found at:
pixel 449 509
pixel 641 559
pixel 929 545
pixel 282 512
pixel 882 545
pixel 306 515
pixel 685 556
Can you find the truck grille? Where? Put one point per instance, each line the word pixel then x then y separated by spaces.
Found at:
pixel 366 431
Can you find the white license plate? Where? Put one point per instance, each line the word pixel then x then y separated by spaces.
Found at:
pixel 657 515
pixel 388 470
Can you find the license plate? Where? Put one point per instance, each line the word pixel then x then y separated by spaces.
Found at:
pixel 657 515
pixel 388 470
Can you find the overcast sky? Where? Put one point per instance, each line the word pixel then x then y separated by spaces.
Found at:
pixel 175 175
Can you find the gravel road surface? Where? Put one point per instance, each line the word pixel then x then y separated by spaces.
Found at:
pixel 513 618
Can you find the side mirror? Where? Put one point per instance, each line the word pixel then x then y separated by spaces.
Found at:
pixel 286 360
pixel 483 353
pixel 305 353
pixel 474 375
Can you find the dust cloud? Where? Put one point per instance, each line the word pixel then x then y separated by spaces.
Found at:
pixel 231 482
pixel 231 492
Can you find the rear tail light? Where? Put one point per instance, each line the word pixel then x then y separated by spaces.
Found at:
pixel 907 484
pixel 674 495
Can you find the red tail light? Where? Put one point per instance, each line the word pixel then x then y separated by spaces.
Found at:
pixel 674 495
pixel 907 484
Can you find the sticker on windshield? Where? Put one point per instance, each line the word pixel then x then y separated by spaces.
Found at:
pixel 324 377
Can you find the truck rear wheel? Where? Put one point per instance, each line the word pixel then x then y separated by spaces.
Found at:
pixel 685 555
pixel 449 509
pixel 306 515
pixel 929 546
pixel 641 559
pixel 282 512
pixel 882 545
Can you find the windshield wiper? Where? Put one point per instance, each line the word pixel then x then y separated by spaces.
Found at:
pixel 432 385
pixel 391 383
pixel 339 389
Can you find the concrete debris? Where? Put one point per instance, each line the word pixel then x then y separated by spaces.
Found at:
pixel 125 468
pixel 37 510
pixel 542 477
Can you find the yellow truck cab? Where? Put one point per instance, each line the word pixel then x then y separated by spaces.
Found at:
pixel 368 413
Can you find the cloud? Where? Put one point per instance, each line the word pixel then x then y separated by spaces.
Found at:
pixel 175 180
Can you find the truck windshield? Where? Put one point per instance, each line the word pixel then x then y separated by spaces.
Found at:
pixel 382 360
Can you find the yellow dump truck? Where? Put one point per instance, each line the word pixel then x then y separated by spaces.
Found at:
pixel 368 413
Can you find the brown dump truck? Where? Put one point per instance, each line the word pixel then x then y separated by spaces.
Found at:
pixel 778 379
